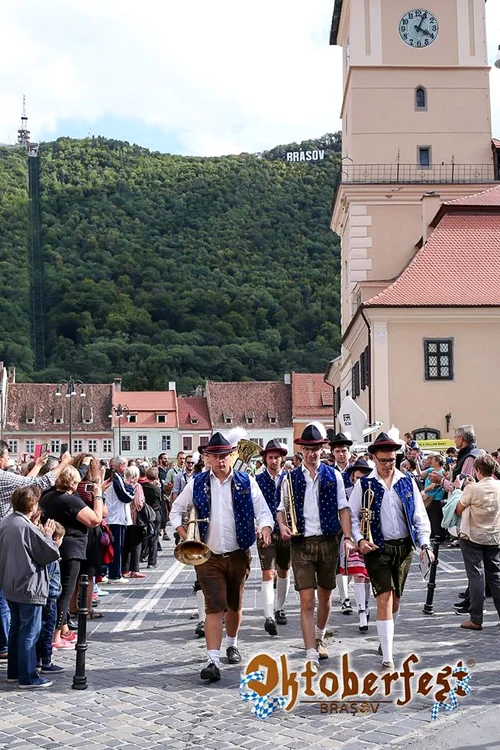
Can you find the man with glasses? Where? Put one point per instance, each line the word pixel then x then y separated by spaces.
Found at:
pixel 398 523
pixel 183 476
pixel 321 511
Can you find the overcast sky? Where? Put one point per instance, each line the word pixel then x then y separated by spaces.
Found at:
pixel 203 77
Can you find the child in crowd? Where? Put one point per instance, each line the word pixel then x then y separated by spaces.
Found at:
pixel 49 611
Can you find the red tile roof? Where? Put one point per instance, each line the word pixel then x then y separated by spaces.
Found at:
pixel 459 266
pixel 312 398
pixel 490 197
pixel 260 399
pixel 193 408
pixel 39 401
pixel 147 404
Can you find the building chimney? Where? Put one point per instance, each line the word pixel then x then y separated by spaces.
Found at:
pixel 287 378
pixel 171 385
pixel 117 384
pixel 12 374
pixel 431 203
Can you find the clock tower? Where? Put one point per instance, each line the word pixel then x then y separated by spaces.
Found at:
pixel 416 132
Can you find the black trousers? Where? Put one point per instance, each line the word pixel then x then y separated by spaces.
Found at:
pixel 131 550
pixel 150 545
pixel 70 570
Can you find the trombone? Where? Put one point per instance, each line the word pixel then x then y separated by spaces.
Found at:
pixel 192 551
pixel 289 503
pixel 367 514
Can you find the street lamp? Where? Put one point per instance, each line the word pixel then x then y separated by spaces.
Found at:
pixel 121 410
pixel 73 388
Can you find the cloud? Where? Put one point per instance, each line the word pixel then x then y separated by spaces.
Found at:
pixel 219 76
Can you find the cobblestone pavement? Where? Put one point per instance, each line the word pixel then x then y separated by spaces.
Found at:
pixel 144 689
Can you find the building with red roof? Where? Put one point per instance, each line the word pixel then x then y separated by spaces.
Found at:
pixel 312 401
pixel 417 210
pixel 195 427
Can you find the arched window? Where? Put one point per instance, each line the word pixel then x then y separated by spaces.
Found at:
pixel 426 433
pixel 420 98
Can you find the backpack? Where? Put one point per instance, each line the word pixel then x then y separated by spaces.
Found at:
pixel 146 521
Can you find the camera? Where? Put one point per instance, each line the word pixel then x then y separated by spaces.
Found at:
pixel 89 487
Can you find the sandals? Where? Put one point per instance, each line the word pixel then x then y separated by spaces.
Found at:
pixel 93 615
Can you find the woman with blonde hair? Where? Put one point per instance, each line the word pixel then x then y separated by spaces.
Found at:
pixel 64 505
pixel 133 536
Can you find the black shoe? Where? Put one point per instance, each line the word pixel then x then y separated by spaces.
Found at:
pixel 211 672
pixel 462 595
pixel 346 607
pixel 270 626
pixel 280 617
pixel 200 630
pixel 72 625
pixel 233 655
pixel 462 608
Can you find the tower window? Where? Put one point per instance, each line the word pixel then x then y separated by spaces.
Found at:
pixel 420 98
pixel 424 156
pixel 438 356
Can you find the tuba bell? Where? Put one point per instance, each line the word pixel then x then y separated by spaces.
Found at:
pixel 192 551
pixel 367 514
pixel 246 450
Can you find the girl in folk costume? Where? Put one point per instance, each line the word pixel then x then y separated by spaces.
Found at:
pixel 354 563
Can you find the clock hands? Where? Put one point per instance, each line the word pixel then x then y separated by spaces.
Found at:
pixel 419 27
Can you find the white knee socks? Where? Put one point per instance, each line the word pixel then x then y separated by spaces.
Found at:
pixel 343 587
pixel 385 630
pixel 200 603
pixel 268 598
pixel 282 588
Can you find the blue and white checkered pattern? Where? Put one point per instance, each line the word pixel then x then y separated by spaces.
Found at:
pixel 264 705
pixel 452 701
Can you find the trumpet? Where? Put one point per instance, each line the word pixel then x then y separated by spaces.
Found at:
pixel 367 514
pixel 290 510
pixel 192 551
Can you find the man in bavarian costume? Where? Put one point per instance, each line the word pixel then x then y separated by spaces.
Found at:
pixel 398 523
pixel 277 555
pixel 321 511
pixel 234 504
pixel 340 459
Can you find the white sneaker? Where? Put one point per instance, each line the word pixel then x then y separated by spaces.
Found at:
pixel 119 580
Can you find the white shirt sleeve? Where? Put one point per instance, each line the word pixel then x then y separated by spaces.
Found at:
pixel 263 515
pixel 180 505
pixel 420 517
pixel 355 502
pixel 341 496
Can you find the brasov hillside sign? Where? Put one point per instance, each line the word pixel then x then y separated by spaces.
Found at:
pixel 315 155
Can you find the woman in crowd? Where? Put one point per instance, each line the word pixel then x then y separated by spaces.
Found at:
pixel 64 505
pixel 133 534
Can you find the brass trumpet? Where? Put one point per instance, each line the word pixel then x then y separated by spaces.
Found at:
pixel 192 551
pixel 289 503
pixel 367 514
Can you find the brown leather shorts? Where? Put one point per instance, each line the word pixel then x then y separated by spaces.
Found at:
pixel 315 561
pixel 276 555
pixel 222 580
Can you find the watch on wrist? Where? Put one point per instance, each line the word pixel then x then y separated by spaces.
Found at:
pixel 424 546
pixel 348 539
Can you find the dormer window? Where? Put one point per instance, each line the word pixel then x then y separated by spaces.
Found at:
pixel 327 399
pixel 272 416
pixel 30 414
pixel 132 418
pixel 58 413
pixel 161 418
pixel 193 419
pixel 227 417
pixel 249 417
pixel 87 414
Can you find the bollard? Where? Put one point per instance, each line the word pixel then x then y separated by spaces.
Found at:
pixel 79 678
pixel 431 585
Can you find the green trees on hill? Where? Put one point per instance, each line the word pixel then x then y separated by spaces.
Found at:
pixel 161 267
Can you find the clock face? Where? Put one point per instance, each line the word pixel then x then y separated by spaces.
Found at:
pixel 418 28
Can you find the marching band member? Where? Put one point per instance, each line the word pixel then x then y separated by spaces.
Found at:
pixel 316 493
pixel 340 455
pixel 395 522
pixel 277 555
pixel 232 502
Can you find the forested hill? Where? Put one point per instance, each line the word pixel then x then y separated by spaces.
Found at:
pixel 161 267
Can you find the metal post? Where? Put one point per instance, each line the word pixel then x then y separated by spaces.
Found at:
pixel 431 585
pixel 70 389
pixel 79 678
pixel 119 434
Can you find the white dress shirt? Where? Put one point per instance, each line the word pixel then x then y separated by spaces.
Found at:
pixel 221 535
pixel 392 516
pixel 312 524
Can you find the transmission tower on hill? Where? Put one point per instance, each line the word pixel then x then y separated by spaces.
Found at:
pixel 24 135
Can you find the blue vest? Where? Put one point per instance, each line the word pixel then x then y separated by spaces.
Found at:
pixel 347 479
pixel 404 490
pixel 242 506
pixel 271 492
pixel 328 509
